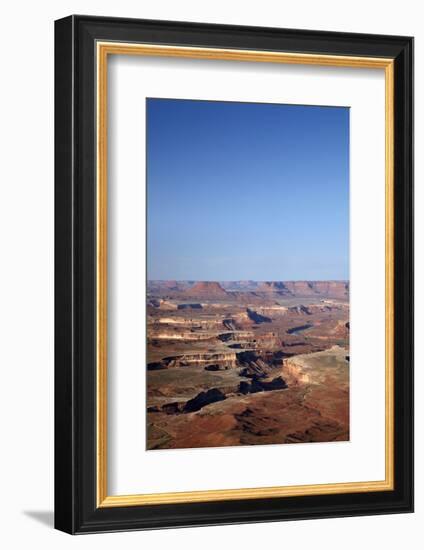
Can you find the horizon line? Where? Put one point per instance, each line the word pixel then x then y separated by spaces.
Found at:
pixel 254 280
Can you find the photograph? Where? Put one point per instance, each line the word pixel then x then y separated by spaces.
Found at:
pixel 210 279
pixel 247 273
pixel 233 255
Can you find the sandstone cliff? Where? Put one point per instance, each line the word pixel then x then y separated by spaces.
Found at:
pixel 206 289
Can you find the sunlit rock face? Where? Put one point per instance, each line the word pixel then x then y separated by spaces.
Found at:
pixel 206 289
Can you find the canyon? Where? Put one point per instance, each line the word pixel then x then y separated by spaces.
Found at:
pixel 247 363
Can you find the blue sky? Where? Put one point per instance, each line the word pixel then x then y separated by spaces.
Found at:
pixel 247 191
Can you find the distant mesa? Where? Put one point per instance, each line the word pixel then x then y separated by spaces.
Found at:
pixel 306 288
pixel 322 288
pixel 167 286
pixel 170 285
pixel 239 290
pixel 244 286
pixel 207 289
pixel 274 286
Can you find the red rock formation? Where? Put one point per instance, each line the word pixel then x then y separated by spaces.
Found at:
pixel 336 289
pixel 273 286
pixel 301 288
pixel 206 289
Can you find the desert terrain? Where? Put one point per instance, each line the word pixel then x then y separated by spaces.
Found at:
pixel 247 363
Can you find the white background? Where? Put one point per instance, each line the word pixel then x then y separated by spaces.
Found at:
pixel 26 295
pixel 131 468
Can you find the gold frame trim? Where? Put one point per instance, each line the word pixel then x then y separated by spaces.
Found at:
pixel 103 49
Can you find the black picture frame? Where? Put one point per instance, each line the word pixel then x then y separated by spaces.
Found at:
pixel 76 508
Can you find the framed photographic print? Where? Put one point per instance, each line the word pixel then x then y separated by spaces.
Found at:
pixel 234 287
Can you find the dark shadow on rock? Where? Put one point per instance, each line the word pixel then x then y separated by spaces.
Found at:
pixel 204 398
pixel 257 385
pixel 256 317
pixel 46 517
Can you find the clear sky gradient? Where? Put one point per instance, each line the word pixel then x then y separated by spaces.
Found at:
pixel 247 191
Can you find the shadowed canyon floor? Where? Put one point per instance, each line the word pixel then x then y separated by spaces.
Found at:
pixel 247 363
